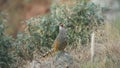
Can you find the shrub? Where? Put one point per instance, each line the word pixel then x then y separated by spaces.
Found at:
pixel 6 54
pixel 80 20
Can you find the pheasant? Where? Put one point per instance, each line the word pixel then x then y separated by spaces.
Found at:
pixel 60 42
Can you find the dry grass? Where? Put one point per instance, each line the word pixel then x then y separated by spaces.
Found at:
pixel 107 50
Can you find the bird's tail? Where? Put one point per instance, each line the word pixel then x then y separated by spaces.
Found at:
pixel 47 53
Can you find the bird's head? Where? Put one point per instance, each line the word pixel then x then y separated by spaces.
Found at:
pixel 61 26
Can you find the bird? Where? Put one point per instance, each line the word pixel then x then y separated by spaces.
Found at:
pixel 60 42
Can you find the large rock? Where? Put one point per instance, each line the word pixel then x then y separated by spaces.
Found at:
pixel 111 9
pixel 60 60
pixel 113 4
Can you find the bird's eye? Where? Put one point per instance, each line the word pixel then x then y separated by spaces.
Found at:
pixel 61 25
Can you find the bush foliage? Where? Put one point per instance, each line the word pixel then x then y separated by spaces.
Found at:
pixel 80 20
pixel 6 42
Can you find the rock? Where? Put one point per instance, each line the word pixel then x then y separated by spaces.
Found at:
pixel 61 60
